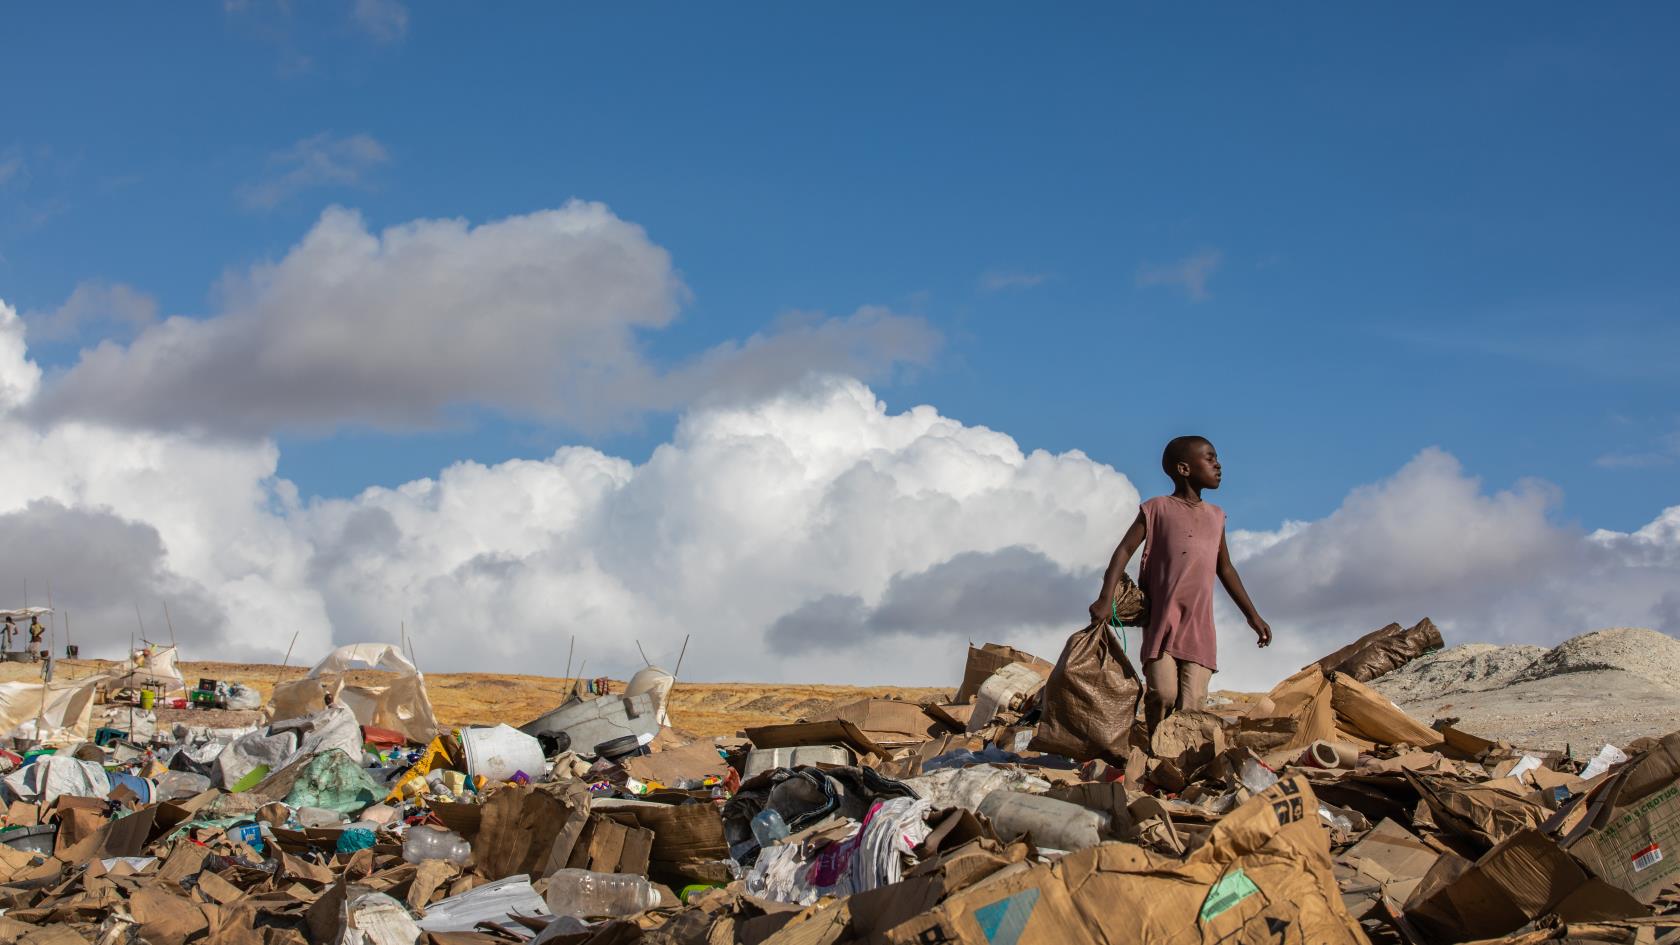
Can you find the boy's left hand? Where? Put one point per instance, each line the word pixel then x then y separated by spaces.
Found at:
pixel 1262 630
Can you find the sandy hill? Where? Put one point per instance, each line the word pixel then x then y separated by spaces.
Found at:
pixel 1605 686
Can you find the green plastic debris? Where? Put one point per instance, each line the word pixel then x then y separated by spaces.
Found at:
pixel 251 779
pixel 335 781
pixel 356 838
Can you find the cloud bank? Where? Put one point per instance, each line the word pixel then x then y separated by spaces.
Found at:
pixel 793 526
pixel 538 315
pixel 805 534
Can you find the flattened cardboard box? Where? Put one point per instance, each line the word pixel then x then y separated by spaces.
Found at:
pixel 1630 836
pixel 1638 848
pixel 1028 906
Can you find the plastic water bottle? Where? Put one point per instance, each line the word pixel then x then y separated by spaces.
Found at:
pixel 586 894
pixel 1256 776
pixel 768 827
pixel 434 843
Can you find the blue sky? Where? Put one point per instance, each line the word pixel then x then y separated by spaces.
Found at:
pixel 1328 240
pixel 1414 270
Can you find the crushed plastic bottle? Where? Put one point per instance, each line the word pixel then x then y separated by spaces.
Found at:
pixel 425 842
pixel 587 894
pixel 768 827
pixel 1334 819
pixel 1256 776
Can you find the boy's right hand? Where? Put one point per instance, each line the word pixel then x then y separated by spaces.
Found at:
pixel 1101 610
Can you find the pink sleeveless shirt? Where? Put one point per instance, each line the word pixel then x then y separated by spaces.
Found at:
pixel 1180 556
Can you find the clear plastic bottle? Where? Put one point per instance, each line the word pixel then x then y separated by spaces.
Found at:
pixel 434 843
pixel 586 894
pixel 768 827
pixel 1256 776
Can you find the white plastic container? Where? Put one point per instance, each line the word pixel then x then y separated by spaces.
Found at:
pixel 1049 823
pixel 500 752
pixel 586 894
pixel 592 722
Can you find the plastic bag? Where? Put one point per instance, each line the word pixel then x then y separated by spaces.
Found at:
pixel 1091 699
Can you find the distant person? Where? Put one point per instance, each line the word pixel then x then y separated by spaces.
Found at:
pixel 7 634
pixel 1183 541
pixel 36 632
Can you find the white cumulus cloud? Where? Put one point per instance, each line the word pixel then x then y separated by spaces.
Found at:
pixel 537 315
pixel 798 531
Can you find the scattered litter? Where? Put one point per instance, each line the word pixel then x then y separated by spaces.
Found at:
pixel 1030 807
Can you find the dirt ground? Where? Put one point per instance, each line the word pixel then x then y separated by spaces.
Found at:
pixel 697 709
pixel 1606 686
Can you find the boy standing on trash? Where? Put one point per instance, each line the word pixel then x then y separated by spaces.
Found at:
pixel 1185 550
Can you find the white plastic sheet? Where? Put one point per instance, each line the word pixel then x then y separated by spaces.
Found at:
pixel 152 666
pixel 61 716
pixel 967 787
pixel 251 751
pixel 376 919
pixel 402 705
pixel 493 902
pixel 52 776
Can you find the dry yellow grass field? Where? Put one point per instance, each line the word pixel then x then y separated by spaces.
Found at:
pixel 697 709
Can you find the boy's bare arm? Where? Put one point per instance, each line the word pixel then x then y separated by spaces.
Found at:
pixel 1234 586
pixel 1128 546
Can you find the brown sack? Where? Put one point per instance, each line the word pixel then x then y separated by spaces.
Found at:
pixel 1090 701
pixel 1383 651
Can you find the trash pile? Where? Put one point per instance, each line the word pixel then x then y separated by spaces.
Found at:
pixel 1031 808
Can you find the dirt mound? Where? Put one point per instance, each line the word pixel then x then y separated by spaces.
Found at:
pixel 1469 667
pixel 1648 654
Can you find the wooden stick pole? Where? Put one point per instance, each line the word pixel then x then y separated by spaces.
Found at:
pixel 680 656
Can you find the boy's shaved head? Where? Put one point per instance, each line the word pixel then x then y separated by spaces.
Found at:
pixel 1178 451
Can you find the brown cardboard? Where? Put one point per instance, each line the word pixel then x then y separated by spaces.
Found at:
pixel 530 829
pixel 951 718
pixel 1481 814
pixel 1630 836
pixel 1393 858
pixel 985 660
pixel 687 838
pixel 1019 904
pixel 1365 714
pixel 694 760
pixel 607 846
pixel 1188 739
pixel 886 722
pixel 1519 880
pixel 1263 875
pixel 831 732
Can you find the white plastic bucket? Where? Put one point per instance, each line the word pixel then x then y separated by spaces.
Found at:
pixel 500 752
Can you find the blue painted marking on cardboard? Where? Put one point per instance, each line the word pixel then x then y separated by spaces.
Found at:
pixel 1002 922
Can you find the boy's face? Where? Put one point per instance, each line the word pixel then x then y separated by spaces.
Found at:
pixel 1202 467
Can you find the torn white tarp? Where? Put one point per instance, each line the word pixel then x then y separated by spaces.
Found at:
pixel 401 705
pixel 57 711
pixel 151 666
